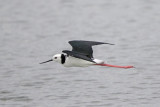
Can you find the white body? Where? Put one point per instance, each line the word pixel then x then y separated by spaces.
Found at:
pixel 76 62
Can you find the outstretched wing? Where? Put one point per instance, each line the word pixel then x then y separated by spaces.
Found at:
pixel 84 47
pixel 78 55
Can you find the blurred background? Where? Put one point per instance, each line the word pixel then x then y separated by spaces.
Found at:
pixel 32 31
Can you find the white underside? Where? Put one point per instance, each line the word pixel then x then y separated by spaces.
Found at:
pixel 76 62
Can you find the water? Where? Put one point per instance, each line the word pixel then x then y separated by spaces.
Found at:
pixel 33 31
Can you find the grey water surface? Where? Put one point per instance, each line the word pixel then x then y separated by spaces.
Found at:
pixel 32 31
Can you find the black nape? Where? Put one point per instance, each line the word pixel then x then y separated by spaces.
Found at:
pixel 63 58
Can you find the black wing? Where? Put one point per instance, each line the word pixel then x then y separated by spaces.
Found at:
pixel 84 47
pixel 78 55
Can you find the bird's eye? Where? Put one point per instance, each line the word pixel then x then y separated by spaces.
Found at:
pixel 55 57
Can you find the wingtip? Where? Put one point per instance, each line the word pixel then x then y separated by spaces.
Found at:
pixel 110 43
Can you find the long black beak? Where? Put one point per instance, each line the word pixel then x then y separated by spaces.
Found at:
pixel 46 61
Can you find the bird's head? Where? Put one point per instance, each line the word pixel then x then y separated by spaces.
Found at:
pixel 57 58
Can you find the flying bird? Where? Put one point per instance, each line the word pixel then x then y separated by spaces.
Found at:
pixel 81 55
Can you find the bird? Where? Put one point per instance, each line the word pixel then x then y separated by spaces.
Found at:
pixel 81 55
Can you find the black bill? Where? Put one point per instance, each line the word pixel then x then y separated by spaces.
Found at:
pixel 46 61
